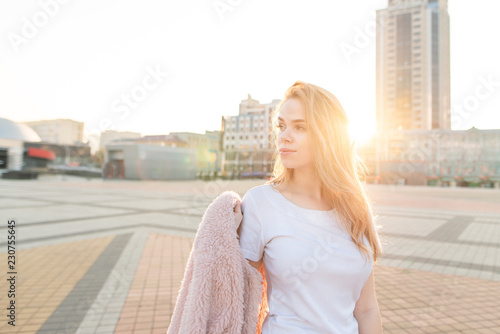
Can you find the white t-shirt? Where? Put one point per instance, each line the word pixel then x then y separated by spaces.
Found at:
pixel 314 271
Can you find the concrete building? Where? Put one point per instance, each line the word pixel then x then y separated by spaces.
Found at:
pixel 12 138
pixel 23 154
pixel 436 157
pixel 109 136
pixel 162 140
pixel 208 147
pixel 59 131
pixel 176 156
pixel 413 66
pixel 138 161
pixel 247 140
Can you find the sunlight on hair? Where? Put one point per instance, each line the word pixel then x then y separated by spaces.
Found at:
pixel 336 162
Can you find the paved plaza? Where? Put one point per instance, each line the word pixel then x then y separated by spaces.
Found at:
pixel 96 256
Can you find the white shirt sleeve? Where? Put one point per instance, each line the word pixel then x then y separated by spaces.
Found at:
pixel 251 234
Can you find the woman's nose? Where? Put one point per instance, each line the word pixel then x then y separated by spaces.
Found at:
pixel 286 137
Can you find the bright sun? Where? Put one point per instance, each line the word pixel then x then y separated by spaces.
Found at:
pixel 361 132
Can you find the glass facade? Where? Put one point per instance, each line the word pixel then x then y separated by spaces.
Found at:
pixel 403 71
pixel 413 66
pixel 435 69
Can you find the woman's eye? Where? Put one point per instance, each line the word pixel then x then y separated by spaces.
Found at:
pixel 281 126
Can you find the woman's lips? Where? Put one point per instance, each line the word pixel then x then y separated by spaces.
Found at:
pixel 286 152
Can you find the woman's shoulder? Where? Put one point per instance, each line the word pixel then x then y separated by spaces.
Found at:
pixel 259 200
pixel 262 196
pixel 260 191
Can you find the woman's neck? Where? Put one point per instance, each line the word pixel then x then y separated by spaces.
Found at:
pixel 306 183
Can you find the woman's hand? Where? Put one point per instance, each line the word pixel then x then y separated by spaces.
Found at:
pixel 238 216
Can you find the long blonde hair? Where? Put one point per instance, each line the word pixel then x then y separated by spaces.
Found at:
pixel 335 161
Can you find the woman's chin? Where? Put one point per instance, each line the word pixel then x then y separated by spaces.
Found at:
pixel 288 165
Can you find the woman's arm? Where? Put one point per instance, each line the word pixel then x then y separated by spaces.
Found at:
pixel 366 311
pixel 254 264
pixel 238 217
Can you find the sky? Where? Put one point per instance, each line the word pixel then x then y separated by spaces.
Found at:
pixel 158 66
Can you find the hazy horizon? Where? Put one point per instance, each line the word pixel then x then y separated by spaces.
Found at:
pixel 189 64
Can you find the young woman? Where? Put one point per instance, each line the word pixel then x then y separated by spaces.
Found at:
pixel 311 224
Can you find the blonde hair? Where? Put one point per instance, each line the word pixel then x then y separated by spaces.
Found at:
pixel 335 161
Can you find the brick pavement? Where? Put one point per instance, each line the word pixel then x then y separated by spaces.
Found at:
pixel 104 257
pixel 47 275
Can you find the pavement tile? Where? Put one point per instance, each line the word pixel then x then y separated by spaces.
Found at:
pixel 441 273
pixel 43 267
pixel 466 295
pixel 105 329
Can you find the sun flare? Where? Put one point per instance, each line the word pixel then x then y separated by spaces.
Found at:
pixel 361 133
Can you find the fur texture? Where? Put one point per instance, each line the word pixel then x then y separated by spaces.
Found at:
pixel 221 292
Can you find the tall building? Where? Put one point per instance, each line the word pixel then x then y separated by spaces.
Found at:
pixel 413 66
pixel 59 131
pixel 247 140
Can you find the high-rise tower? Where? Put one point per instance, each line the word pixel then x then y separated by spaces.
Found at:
pixel 413 66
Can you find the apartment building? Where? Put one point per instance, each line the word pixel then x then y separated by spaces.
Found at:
pixel 413 66
pixel 247 140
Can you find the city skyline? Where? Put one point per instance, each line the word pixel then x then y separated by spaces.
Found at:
pixel 188 67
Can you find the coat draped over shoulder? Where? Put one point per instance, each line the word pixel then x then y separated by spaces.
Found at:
pixel 220 292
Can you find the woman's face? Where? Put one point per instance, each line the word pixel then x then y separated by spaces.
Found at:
pixel 293 135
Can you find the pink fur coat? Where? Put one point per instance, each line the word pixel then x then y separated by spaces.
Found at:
pixel 221 292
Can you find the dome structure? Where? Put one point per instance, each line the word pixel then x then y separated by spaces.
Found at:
pixel 17 131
